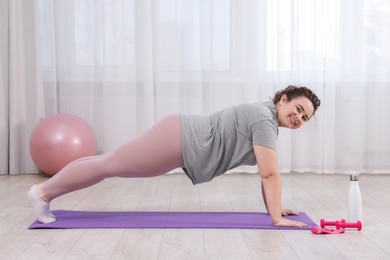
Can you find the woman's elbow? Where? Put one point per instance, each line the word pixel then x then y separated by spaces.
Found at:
pixel 269 174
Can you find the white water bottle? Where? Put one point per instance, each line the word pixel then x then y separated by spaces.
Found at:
pixel 354 200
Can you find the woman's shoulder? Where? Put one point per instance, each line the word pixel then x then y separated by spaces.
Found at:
pixel 258 109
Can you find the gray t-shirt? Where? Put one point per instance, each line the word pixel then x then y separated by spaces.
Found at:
pixel 214 144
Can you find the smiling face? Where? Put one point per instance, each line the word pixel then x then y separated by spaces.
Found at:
pixel 294 113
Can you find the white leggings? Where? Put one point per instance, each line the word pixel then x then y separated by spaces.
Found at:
pixel 154 153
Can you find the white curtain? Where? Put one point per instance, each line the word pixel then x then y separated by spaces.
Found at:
pixel 4 87
pixel 122 64
pixel 21 94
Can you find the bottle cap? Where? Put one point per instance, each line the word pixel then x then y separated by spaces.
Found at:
pixel 354 177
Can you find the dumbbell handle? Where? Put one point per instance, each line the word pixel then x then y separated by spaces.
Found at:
pixel 357 225
pixel 325 223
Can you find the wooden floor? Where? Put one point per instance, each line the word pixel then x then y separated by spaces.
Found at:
pixel 320 196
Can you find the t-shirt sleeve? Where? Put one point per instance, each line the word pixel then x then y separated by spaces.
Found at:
pixel 265 134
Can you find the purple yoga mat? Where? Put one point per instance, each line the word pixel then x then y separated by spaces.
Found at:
pixel 241 220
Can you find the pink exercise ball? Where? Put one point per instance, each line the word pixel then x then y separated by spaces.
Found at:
pixel 60 139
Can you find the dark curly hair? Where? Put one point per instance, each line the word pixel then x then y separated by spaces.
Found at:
pixel 298 91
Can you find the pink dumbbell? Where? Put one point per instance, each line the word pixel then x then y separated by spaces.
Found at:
pixel 325 223
pixel 357 225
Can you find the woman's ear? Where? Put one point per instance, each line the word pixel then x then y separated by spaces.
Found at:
pixel 283 98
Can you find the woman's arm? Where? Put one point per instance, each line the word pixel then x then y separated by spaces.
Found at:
pixel 271 185
pixel 285 212
pixel 264 198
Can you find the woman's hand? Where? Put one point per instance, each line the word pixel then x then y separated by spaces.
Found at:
pixel 288 212
pixel 283 222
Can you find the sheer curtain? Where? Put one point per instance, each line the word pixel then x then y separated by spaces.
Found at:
pixel 21 89
pixel 4 87
pixel 122 64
